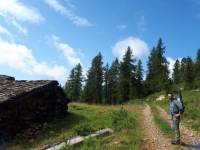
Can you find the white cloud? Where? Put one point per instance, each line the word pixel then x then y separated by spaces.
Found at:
pixel 4 31
pixel 171 64
pixel 13 11
pixel 19 11
pixel 58 7
pixel 139 47
pixel 19 27
pixel 11 21
pixel 55 72
pixel 121 27
pixel 69 52
pixel 21 58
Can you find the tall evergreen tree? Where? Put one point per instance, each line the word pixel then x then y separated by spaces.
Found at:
pixel 106 94
pixel 176 72
pixel 113 80
pixel 93 88
pixel 163 71
pixel 189 73
pixel 139 79
pixel 197 69
pixel 197 62
pixel 69 85
pixel 158 73
pixel 150 83
pixel 73 86
pixel 182 70
pixel 126 76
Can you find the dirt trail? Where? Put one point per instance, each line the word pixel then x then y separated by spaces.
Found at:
pixel 190 138
pixel 154 139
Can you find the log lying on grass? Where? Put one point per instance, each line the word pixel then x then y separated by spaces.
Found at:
pixel 25 102
pixel 80 139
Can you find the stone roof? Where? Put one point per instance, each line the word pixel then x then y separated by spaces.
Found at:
pixel 11 88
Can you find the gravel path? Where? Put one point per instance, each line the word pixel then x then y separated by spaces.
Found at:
pixel 153 137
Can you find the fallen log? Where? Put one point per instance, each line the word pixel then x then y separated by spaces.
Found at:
pixel 79 139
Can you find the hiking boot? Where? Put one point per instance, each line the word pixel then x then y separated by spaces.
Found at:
pixel 176 142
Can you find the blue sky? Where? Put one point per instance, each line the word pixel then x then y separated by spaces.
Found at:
pixel 44 39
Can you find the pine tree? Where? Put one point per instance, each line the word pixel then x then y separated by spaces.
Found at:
pixel 73 86
pixel 113 82
pixel 93 88
pixel 150 79
pixel 139 79
pixel 176 72
pixel 126 76
pixel 69 85
pixel 158 73
pixel 197 69
pixel 189 73
pixel 182 70
pixel 78 82
pixel 87 94
pixel 162 67
pixel 106 93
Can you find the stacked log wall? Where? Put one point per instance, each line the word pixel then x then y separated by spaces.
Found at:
pixel 36 106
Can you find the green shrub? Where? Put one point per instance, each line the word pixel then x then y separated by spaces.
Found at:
pixel 84 129
pixel 91 144
pixel 122 120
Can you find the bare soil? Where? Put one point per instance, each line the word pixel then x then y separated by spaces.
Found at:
pixel 153 137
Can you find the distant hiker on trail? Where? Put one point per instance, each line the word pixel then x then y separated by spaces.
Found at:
pixel 176 109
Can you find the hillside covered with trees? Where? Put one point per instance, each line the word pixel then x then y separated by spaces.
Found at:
pixel 124 80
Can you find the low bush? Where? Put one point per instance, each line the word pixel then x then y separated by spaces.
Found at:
pixel 122 119
pixel 84 129
pixel 91 144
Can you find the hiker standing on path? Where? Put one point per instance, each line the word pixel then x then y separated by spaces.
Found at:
pixel 175 114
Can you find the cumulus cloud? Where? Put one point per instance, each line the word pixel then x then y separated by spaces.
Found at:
pixel 77 20
pixel 20 57
pixel 171 64
pixel 69 52
pixel 139 47
pixel 19 11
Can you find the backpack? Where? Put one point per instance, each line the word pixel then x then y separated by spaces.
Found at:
pixel 179 103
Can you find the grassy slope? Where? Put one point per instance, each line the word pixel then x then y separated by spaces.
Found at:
pixel 126 136
pixel 192 112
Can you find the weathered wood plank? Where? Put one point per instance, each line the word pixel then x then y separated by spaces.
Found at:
pixel 80 139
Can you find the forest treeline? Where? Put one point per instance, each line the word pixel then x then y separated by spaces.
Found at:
pixel 124 80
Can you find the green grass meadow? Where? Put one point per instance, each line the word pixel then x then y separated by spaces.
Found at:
pixel 82 120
